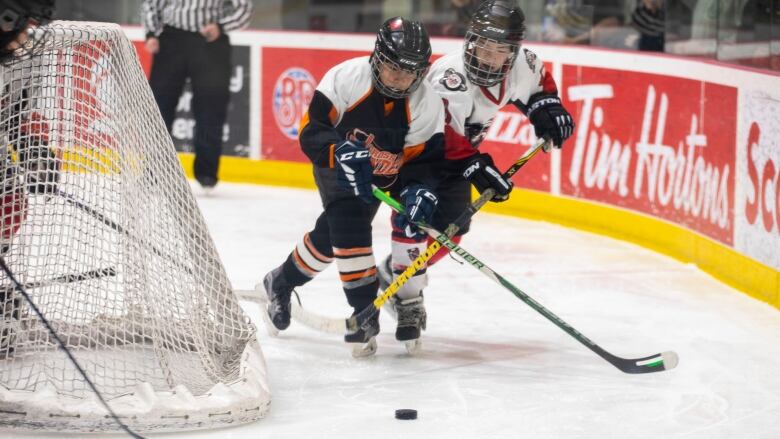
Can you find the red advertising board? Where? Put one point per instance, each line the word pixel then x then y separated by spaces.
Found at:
pixel 289 79
pixel 143 56
pixel 655 144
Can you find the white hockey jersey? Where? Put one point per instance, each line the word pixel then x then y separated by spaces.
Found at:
pixel 470 109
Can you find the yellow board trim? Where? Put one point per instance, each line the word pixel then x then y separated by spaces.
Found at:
pixel 267 172
pixel 725 264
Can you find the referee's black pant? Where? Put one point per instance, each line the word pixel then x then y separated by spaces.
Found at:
pixel 185 55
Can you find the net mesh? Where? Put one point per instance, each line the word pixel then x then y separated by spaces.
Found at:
pixel 99 223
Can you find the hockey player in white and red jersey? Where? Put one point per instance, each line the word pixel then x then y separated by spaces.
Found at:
pixel 490 72
pixel 371 120
pixel 23 133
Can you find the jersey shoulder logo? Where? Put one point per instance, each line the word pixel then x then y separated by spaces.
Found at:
pixel 530 58
pixel 453 81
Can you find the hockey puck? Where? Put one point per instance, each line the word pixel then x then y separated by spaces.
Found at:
pixel 406 414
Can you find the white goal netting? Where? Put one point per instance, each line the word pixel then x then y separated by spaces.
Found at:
pixel 98 222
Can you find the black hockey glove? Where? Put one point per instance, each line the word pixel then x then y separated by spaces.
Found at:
pixel 420 203
pixel 482 173
pixel 41 168
pixel 550 119
pixel 353 163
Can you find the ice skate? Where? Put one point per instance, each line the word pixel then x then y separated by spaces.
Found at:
pixel 269 325
pixel 363 341
pixel 411 321
pixel 277 315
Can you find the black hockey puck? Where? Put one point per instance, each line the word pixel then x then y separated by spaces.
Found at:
pixel 406 414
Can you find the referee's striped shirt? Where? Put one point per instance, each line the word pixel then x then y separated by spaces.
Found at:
pixel 192 15
pixel 649 22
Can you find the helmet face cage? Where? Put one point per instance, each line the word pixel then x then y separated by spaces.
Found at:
pixel 379 59
pixel 479 70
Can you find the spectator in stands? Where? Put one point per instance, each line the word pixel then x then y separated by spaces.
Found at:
pixel 595 22
pixel 649 20
pixel 188 40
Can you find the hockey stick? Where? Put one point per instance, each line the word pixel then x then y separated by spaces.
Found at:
pixel 23 291
pixel 65 278
pixel 301 315
pixel 653 363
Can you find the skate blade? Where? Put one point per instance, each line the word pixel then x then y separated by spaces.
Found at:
pixel 413 347
pixel 363 350
pixel 269 325
pixel 263 296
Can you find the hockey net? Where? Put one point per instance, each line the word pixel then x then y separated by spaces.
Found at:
pixel 99 224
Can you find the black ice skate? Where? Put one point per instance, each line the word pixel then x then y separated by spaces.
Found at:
pixel 278 308
pixel 411 321
pixel 363 341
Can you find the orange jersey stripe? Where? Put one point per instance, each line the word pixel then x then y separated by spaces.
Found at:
pixel 304 122
pixel 389 107
pixel 362 98
pixel 333 115
pixel 412 152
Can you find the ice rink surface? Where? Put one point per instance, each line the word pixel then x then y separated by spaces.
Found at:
pixel 491 366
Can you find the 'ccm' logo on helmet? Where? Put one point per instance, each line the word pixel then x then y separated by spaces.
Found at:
pixel 495 29
pixel 406 61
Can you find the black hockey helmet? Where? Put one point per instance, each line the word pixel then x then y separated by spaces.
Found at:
pixel 15 15
pixel 496 26
pixel 404 45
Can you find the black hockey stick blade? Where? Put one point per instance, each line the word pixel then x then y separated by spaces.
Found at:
pixel 65 279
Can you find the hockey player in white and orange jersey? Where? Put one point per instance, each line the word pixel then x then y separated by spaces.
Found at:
pixel 490 72
pixel 371 120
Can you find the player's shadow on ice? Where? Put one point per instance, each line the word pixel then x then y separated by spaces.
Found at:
pixel 435 348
